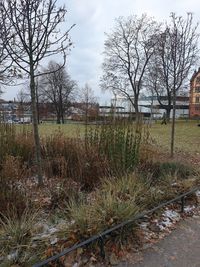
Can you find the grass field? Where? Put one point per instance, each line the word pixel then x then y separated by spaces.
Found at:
pixel 187 135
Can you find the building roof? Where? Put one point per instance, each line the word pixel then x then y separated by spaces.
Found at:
pixel 195 74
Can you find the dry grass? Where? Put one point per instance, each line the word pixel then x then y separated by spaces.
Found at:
pixel 187 136
pixel 187 133
pixel 116 200
pixel 16 244
pixel 75 176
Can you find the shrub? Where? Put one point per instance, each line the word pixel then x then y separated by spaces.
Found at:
pixel 157 172
pixel 23 147
pixel 178 169
pixel 105 208
pixel 68 158
pixel 12 169
pixel 119 143
pixel 13 193
pixel 168 188
pixel 61 194
pixel 128 186
pixel 12 198
pixel 7 137
pixel 16 238
pixel 16 144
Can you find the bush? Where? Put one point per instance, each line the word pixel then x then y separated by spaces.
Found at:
pixel 16 245
pixel 113 203
pixel 7 137
pixel 119 143
pixel 61 194
pixel 178 169
pixel 157 172
pixel 16 144
pixel 68 158
pixel 13 194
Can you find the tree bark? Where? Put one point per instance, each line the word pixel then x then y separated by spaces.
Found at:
pixel 37 103
pixel 58 119
pixel 173 123
pixel 35 127
pixel 137 114
pixel 168 111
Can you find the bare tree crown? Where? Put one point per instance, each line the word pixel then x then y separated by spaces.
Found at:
pixel 128 49
pixel 30 31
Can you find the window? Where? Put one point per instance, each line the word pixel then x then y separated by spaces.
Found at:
pixel 197 89
pixel 197 99
pixel 198 79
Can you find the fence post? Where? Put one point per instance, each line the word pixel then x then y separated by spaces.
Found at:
pixel 182 204
pixel 101 246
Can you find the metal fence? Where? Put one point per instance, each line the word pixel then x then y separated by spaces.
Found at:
pixel 100 238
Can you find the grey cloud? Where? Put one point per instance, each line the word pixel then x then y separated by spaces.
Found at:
pixel 94 17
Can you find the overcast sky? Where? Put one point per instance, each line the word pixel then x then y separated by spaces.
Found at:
pixel 95 17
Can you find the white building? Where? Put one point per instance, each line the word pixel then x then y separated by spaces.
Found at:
pixel 150 106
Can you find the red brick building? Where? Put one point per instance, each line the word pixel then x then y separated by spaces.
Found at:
pixel 194 107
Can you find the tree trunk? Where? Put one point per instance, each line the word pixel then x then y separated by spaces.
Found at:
pixel 62 115
pixel 61 106
pixel 58 119
pixel 37 102
pixel 63 119
pixel 173 123
pixel 35 128
pixel 86 121
pixel 137 114
pixel 168 111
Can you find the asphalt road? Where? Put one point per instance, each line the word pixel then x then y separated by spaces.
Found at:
pixel 179 249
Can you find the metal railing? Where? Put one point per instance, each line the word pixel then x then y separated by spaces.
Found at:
pixel 100 237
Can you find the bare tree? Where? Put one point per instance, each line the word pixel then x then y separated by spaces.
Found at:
pixel 88 105
pixel 6 70
pixel 57 87
pixel 88 101
pixel 23 99
pixel 175 54
pixel 30 32
pixel 128 50
pixel 23 96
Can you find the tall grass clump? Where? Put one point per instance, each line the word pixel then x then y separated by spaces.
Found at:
pixel 16 239
pixel 7 139
pixel 119 143
pixel 16 143
pixel 117 200
pixel 68 158
pixel 13 193
pixel 13 169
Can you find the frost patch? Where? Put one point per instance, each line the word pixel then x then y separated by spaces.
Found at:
pixel 169 217
pixel 189 209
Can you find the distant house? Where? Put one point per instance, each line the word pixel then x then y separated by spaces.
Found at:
pixel 79 110
pixel 12 111
pixel 195 95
